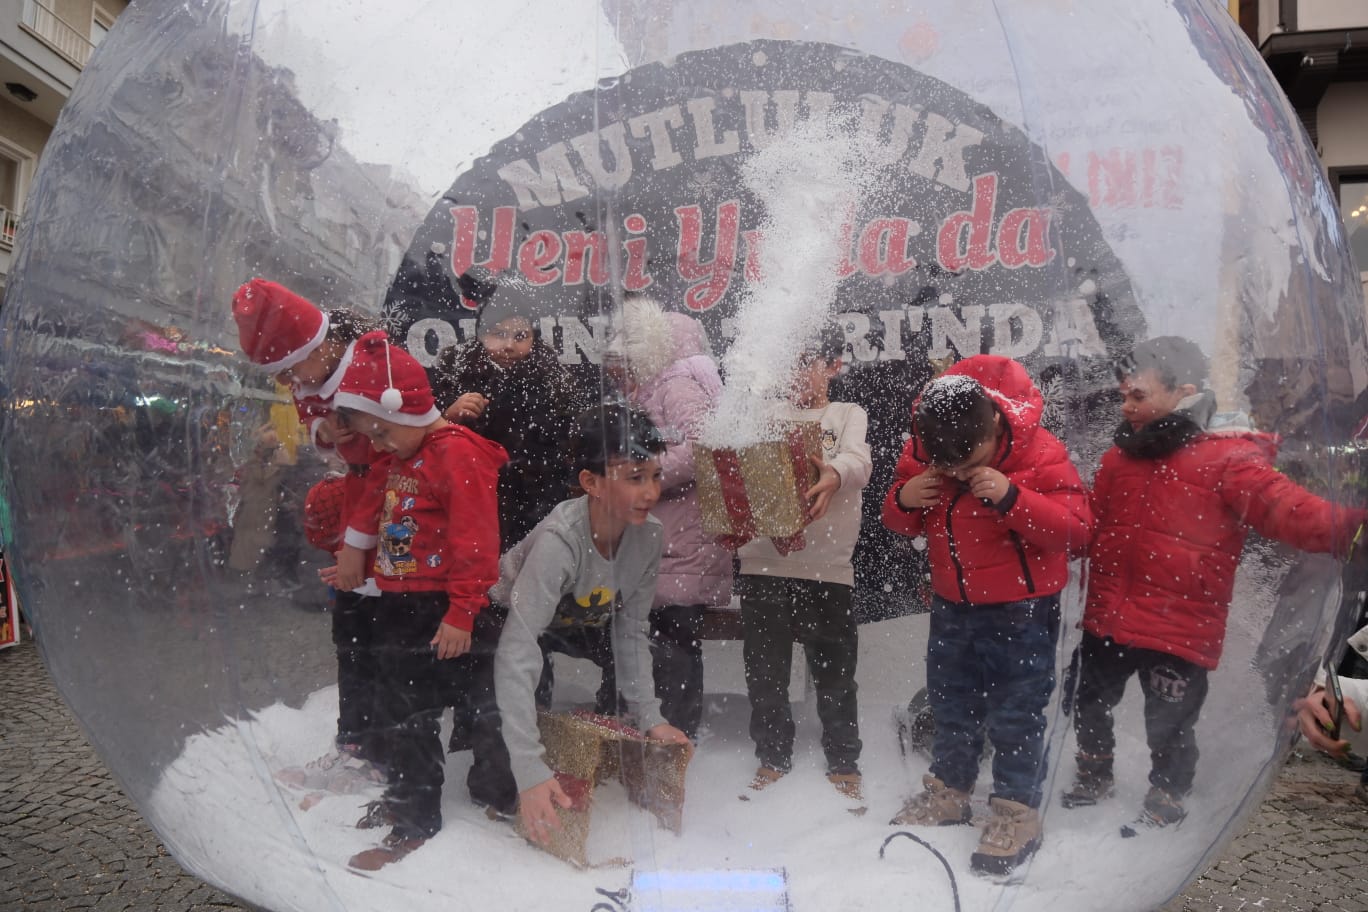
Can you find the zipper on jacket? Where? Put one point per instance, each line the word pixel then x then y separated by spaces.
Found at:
pixel 1025 567
pixel 954 552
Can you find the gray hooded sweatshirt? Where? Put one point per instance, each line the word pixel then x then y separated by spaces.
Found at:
pixel 556 577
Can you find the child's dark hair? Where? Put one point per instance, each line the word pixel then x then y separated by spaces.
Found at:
pixel 347 326
pixel 953 416
pixel 612 433
pixel 1176 360
pixel 829 343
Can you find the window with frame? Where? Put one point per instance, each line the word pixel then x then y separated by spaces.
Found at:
pixel 1353 203
pixel 11 190
pixel 101 21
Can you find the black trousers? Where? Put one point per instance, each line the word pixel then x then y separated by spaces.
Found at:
pixel 1174 690
pixel 413 689
pixel 677 664
pixel 490 779
pixel 775 613
pixel 592 643
pixel 354 632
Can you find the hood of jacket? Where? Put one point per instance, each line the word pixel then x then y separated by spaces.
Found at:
pixel 490 453
pixel 688 355
pixel 651 340
pixel 1013 393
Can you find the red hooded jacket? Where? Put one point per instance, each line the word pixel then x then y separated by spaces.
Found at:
pixel 434 520
pixel 980 553
pixel 1170 531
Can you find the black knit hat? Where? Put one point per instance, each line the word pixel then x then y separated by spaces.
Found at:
pixel 829 343
pixel 500 296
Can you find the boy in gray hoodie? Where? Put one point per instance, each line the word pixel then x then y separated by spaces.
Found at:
pixel 592 562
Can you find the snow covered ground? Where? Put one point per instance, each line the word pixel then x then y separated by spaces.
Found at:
pixel 229 821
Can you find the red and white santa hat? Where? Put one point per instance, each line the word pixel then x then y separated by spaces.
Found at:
pixel 276 327
pixel 386 382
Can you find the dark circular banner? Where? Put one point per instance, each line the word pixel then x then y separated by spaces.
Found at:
pixel 961 237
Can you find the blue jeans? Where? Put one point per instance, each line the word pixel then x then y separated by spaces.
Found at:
pixel 991 668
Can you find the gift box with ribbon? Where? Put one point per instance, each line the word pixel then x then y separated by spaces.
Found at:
pixel 757 491
pixel 585 750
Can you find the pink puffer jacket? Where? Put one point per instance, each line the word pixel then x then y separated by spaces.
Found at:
pixel 694 569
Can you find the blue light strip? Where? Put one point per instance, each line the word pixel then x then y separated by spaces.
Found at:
pixel 710 881
pixel 779 906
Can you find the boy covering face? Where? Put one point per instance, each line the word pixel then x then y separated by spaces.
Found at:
pixel 1003 510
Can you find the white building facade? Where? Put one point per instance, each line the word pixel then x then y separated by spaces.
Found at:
pixel 1318 51
pixel 44 44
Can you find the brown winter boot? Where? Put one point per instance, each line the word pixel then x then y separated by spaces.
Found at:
pixel 391 849
pixel 937 805
pixel 1092 783
pixel 1011 836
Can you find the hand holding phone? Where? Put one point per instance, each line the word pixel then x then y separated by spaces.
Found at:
pixel 1334 704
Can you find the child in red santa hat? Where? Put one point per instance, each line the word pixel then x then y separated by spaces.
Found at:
pixel 308 350
pixel 431 511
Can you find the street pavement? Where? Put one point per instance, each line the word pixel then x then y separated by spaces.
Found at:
pixel 70 839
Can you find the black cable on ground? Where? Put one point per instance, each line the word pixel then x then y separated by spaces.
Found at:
pixel 949 872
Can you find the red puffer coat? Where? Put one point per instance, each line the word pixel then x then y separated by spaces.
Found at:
pixel 980 554
pixel 1170 531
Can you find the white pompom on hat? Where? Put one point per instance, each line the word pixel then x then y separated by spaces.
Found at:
pixel 386 382
pixel 276 327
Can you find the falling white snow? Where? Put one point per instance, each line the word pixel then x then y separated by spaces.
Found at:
pixel 810 184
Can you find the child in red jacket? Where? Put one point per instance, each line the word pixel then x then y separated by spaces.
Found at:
pixel 307 349
pixel 1174 499
pixel 1002 509
pixel 432 511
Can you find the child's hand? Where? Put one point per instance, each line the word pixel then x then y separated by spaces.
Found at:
pixel 819 495
pixel 333 432
pixel 987 484
pixel 450 641
pixel 351 569
pixel 920 491
pixel 467 408
pixel 668 734
pixel 537 808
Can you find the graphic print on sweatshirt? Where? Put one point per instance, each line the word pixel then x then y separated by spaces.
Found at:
pixel 592 610
pixel 395 557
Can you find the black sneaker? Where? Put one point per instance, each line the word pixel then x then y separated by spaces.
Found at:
pixel 1087 791
pixel 494 811
pixel 1093 781
pixel 378 814
pixel 1161 809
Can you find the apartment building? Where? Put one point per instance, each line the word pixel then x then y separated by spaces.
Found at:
pixel 44 44
pixel 1318 52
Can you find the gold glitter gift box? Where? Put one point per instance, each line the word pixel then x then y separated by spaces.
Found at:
pixel 585 750
pixel 757 491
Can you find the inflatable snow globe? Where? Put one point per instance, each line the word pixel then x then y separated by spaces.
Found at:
pixel 717 256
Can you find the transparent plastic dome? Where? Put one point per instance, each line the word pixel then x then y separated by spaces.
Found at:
pixel 1054 182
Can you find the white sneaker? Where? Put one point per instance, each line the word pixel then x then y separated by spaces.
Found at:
pixel 340 771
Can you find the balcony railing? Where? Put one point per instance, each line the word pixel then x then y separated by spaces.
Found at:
pixel 57 33
pixel 9 227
